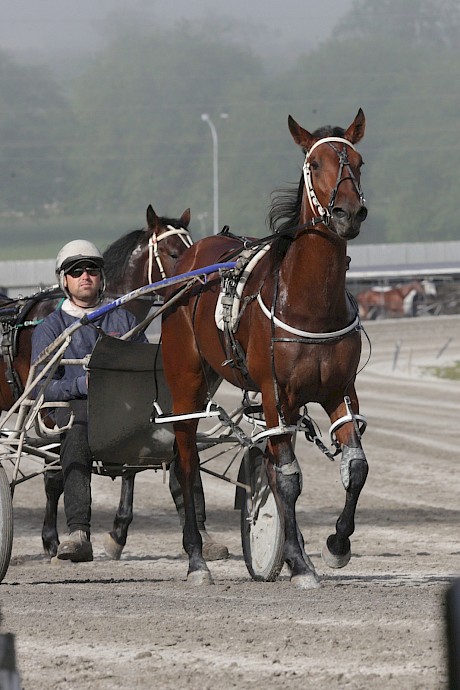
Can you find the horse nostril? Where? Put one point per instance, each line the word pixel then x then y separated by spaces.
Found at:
pixel 339 213
pixel 362 214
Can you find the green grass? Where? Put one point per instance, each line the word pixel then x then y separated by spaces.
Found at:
pixel 41 238
pixel 452 372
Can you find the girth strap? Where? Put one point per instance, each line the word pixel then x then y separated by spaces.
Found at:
pixel 11 375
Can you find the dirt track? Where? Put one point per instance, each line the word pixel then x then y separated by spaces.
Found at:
pixel 378 624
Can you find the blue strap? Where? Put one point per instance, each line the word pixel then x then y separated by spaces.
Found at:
pixel 160 285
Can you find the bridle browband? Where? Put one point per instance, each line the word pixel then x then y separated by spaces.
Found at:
pixel 154 241
pixel 321 214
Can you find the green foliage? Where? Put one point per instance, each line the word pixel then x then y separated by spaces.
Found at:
pixel 35 120
pixel 410 143
pixel 426 23
pixel 139 111
pixel 127 131
pixel 40 236
pixel 449 372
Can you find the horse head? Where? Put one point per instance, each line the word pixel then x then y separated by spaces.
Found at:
pixel 167 240
pixel 429 287
pixel 332 172
pixel 145 256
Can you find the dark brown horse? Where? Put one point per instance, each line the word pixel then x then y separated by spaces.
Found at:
pixel 393 302
pixel 138 258
pixel 296 340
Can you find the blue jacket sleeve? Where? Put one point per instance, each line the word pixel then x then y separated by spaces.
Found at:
pixel 70 382
pixel 65 385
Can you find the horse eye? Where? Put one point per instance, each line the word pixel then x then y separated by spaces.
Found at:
pixel 315 165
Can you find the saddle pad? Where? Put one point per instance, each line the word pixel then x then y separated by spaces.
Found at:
pixel 245 273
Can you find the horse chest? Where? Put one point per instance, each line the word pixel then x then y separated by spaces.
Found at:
pixel 309 373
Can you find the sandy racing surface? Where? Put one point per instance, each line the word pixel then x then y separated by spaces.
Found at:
pixel 377 624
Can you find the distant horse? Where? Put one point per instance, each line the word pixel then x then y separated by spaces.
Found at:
pixel 401 300
pixel 136 259
pixel 296 339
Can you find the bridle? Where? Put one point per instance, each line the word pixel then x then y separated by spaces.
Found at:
pixel 154 241
pixel 321 214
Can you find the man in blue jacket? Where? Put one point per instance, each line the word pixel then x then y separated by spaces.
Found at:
pixel 80 271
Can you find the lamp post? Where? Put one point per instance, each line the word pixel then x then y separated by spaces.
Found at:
pixel 215 170
pixel 202 218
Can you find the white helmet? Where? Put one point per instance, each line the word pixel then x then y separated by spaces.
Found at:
pixel 74 253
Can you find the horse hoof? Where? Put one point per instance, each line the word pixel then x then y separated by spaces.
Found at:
pixel 214 552
pixel 334 561
pixel 50 548
pixel 307 581
pixel 57 562
pixel 200 577
pixel 112 549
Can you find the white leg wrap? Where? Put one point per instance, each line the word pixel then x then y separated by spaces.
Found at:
pixel 290 468
pixel 349 454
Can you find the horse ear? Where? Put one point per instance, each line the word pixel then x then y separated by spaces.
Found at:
pixel 299 134
pixel 185 218
pixel 152 218
pixel 355 131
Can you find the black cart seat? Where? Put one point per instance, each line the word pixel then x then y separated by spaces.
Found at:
pixel 125 379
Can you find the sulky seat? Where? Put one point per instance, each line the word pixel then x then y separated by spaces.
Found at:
pixel 125 379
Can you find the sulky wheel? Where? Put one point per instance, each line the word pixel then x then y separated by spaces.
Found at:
pixel 6 523
pixel 262 534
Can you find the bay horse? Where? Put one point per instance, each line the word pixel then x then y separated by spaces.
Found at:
pixel 391 302
pixel 296 340
pixel 138 258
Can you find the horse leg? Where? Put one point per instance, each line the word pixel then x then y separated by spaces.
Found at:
pixel 185 376
pixel 284 477
pixel 54 487
pixel 186 468
pixel 353 472
pixel 115 540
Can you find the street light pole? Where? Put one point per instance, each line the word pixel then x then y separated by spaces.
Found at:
pixel 215 170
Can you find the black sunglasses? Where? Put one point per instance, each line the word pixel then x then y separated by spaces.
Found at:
pixel 78 271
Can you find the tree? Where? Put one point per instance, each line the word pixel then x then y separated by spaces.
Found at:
pixel 138 112
pixel 35 122
pixel 411 145
pixel 427 23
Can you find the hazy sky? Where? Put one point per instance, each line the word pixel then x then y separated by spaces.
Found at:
pixel 50 26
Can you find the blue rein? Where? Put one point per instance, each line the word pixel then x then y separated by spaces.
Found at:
pixel 160 285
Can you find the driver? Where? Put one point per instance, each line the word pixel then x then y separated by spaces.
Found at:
pixel 80 271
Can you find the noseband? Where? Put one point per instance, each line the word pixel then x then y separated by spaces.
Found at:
pixel 153 247
pixel 321 214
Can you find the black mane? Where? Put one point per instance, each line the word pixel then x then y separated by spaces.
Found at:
pixel 117 254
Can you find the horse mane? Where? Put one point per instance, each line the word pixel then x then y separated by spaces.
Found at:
pixel 284 212
pixel 117 254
